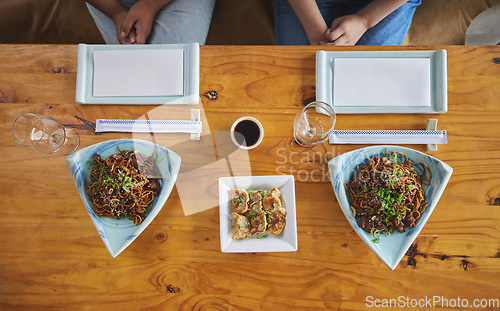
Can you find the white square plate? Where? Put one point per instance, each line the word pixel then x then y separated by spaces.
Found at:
pixel 286 241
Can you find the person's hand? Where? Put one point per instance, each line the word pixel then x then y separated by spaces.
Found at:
pixel 318 38
pixel 346 30
pixel 138 23
pixel 119 19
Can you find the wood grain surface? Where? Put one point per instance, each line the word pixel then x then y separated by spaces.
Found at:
pixel 52 257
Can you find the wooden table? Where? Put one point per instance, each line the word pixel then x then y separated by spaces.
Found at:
pixel 52 257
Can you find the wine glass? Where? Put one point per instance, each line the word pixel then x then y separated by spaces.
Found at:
pixel 313 124
pixel 44 134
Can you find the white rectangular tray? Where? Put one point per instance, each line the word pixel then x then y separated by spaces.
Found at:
pixel 438 79
pixel 85 74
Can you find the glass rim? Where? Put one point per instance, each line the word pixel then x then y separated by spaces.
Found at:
pixel 326 107
pixel 40 118
pixel 23 116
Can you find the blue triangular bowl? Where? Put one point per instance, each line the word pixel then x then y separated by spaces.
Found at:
pixel 118 234
pixel 391 248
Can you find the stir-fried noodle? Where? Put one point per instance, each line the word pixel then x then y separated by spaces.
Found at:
pixel 387 193
pixel 122 186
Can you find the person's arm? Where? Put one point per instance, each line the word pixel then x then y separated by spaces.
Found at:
pixel 310 17
pixel 140 19
pixel 347 30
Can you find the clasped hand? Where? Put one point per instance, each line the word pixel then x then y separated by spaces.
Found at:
pixel 345 30
pixel 134 26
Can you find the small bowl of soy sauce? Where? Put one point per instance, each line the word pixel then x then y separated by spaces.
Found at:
pixel 247 132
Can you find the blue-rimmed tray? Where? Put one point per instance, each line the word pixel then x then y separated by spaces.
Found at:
pixel 438 80
pixel 191 70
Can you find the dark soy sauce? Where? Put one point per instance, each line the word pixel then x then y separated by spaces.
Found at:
pixel 248 131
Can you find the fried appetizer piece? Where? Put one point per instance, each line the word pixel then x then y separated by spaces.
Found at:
pixel 256 213
pixel 257 221
pixel 240 227
pixel 273 202
pixel 276 222
pixel 255 198
pixel 240 200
